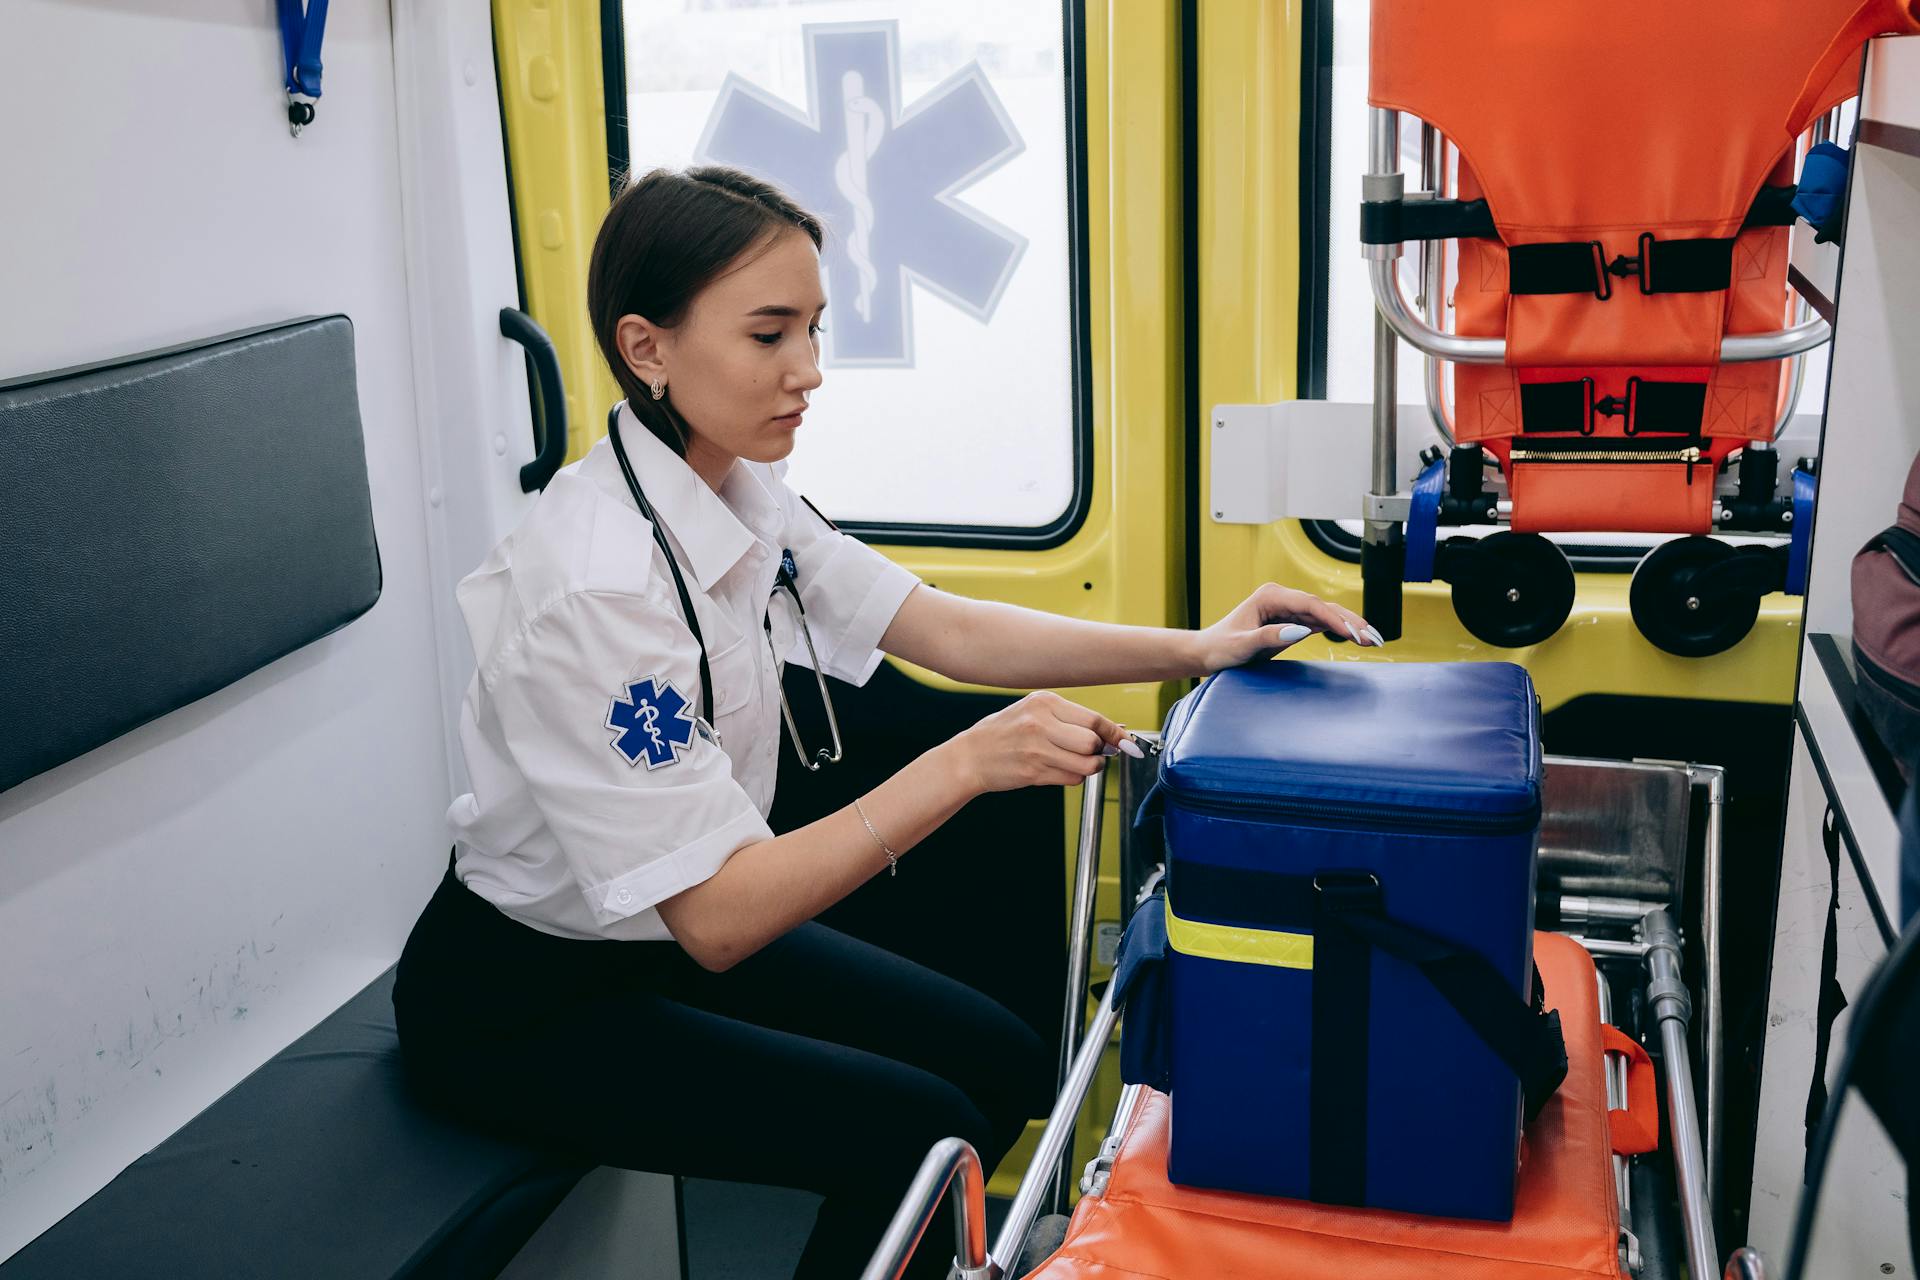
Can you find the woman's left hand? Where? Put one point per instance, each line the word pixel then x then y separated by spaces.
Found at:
pixel 1274 618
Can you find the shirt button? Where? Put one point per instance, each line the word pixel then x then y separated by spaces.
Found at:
pixel 624 897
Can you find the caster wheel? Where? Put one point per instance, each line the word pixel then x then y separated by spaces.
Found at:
pixel 1511 589
pixel 1678 605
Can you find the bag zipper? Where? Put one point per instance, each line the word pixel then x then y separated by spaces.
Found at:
pixel 1607 450
pixel 1365 816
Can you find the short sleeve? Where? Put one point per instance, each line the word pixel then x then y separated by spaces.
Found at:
pixel 851 592
pixel 597 704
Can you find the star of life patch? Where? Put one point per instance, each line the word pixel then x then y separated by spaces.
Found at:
pixel 651 723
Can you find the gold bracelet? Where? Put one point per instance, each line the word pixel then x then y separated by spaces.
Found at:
pixel 893 859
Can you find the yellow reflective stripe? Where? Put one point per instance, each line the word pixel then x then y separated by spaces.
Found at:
pixel 1242 946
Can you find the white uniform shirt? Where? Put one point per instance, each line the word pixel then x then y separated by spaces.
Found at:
pixel 593 797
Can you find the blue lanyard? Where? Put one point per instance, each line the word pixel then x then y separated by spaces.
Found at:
pixel 300 36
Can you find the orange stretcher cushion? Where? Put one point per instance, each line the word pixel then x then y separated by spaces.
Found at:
pixel 1565 1222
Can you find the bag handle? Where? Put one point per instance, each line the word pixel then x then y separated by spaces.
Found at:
pixel 1524 1035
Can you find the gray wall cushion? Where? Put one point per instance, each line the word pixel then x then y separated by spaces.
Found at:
pixel 171 522
pixel 320 1164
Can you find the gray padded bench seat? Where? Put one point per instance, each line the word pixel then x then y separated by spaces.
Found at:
pixel 320 1164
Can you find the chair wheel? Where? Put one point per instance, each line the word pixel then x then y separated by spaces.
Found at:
pixel 1509 589
pixel 1678 610
pixel 1043 1240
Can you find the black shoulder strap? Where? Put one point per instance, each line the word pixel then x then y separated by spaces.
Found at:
pixel 1349 918
pixel 1903 545
pixel 1833 998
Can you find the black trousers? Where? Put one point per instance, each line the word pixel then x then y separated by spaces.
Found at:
pixel 821 1062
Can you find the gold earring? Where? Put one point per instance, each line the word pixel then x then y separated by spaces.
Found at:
pixel 659 388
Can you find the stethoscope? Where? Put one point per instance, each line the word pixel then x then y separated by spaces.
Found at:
pixel 786 578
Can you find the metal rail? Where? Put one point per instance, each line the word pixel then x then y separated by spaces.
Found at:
pixel 1433 277
pixel 1616 1064
pixel 1667 994
pixel 954 1164
pixel 1038 1182
pixel 1713 1032
pixel 1383 182
pixel 1390 300
pixel 1574 906
pixel 1384 140
pixel 1611 947
pixel 1086 878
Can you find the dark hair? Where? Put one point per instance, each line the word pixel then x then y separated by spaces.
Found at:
pixel 665 237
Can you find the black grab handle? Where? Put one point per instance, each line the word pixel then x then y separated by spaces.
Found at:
pixel 552 408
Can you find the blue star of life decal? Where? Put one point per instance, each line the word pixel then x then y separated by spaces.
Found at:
pixel 652 720
pixel 883 179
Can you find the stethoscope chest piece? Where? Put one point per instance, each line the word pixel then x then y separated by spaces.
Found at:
pixel 786 579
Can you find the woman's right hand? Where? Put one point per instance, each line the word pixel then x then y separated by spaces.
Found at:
pixel 1043 740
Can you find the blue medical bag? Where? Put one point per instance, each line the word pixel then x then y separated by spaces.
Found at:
pixel 1350 1000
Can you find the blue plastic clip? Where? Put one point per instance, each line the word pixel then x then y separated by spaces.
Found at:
pixel 1423 521
pixel 1800 550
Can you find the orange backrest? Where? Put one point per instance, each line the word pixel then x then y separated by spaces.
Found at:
pixel 1607 122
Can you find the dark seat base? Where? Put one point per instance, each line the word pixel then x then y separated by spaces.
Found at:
pixel 320 1164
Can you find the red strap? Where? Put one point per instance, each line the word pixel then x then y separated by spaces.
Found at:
pixel 1636 1130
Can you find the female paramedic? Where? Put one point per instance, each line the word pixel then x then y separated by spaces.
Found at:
pixel 620 961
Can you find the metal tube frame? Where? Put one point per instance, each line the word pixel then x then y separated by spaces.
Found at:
pixel 1086 877
pixel 1433 277
pixel 1713 1035
pixel 954 1164
pixel 1384 142
pixel 1575 906
pixel 1390 298
pixel 1630 1259
pixel 1056 1138
pixel 1672 1006
pixel 1037 1183
pixel 1611 947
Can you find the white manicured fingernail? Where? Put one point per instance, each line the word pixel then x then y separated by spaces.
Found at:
pixel 1131 748
pixel 1355 634
pixel 1294 633
pixel 1108 749
pixel 1373 633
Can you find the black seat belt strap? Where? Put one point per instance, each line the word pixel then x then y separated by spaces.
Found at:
pixel 1657 408
pixel 1342 1009
pixel 1582 266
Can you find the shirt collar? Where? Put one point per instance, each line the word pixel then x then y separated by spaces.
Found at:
pixel 712 529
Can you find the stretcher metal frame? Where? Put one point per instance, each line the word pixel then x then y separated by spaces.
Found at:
pixel 1744 495
pixel 1693 1140
pixel 1418 321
